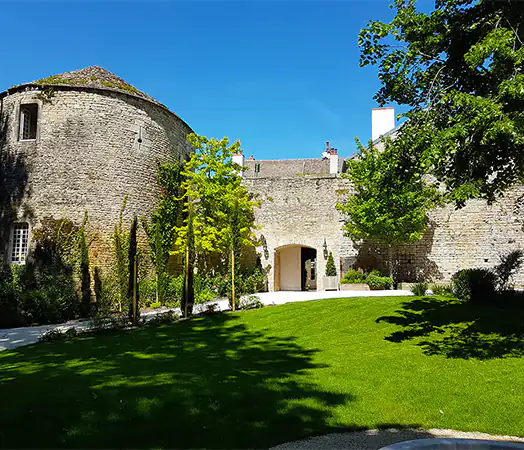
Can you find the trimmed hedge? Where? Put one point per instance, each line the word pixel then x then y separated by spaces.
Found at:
pixel 376 282
pixel 373 279
pixel 353 276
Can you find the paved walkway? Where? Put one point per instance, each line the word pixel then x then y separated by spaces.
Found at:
pixel 281 297
pixel 17 337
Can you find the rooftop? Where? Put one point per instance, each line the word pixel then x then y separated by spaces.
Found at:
pixel 94 77
pixel 389 133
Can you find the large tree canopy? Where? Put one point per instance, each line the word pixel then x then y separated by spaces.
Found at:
pixel 390 198
pixel 459 69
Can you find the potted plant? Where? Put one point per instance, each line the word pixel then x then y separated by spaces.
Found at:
pixel 354 280
pixel 331 278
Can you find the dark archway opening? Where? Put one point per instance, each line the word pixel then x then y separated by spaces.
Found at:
pixel 308 264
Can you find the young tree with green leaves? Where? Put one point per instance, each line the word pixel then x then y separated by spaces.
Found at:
pixel 459 69
pixel 238 232
pixel 390 199
pixel 218 208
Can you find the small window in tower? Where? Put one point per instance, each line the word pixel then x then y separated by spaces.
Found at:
pixel 19 243
pixel 28 122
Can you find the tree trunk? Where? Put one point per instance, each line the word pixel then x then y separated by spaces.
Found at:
pixel 233 301
pixel 157 296
pixel 186 284
pixel 132 291
pixel 390 261
pixel 189 290
pixel 188 295
pixel 135 291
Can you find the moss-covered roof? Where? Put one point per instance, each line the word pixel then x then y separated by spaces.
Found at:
pixel 93 77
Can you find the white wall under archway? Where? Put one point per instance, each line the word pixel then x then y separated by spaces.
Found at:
pixel 290 269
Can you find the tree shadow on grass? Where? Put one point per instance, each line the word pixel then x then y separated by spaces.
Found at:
pixel 459 329
pixel 203 383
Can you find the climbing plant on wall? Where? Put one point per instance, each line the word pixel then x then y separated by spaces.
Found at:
pixel 55 283
pixel 161 232
pixel 119 242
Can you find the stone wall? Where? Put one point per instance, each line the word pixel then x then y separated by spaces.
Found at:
pixel 301 211
pixel 477 235
pixel 286 167
pixel 474 236
pixel 93 148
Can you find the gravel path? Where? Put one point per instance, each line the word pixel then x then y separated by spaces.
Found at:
pixel 376 439
pixel 17 337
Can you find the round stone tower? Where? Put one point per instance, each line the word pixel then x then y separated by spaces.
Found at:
pixel 77 142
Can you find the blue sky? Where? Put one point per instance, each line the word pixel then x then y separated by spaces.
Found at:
pixel 283 77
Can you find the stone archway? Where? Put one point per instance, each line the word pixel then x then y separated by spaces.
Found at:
pixel 295 268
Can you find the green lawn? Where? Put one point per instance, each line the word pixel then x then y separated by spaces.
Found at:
pixel 259 378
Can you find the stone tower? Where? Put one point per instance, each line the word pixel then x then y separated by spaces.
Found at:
pixel 77 142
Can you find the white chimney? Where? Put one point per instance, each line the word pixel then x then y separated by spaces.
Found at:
pixel 333 161
pixel 238 158
pixel 332 154
pixel 382 121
